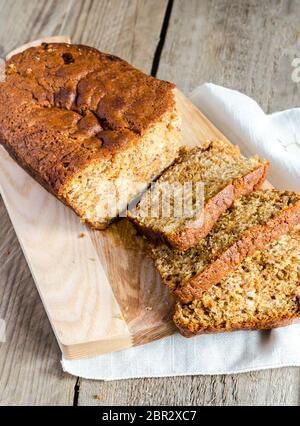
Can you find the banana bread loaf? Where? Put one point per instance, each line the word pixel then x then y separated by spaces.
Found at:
pixel 262 293
pixel 92 129
pixel 224 175
pixel 250 224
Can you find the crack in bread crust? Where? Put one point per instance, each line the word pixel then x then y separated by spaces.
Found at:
pixel 64 107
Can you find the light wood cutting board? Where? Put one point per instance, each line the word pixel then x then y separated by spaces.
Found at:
pixel 100 290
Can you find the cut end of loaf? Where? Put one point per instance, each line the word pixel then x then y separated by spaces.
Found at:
pixel 102 191
pixel 263 292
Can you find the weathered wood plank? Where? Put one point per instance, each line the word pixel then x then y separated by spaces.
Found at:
pixel 222 35
pixel 259 388
pixel 30 371
pixel 248 46
pixel 29 361
pixel 23 21
pixel 126 28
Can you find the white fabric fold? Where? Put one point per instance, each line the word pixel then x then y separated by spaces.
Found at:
pixel 276 137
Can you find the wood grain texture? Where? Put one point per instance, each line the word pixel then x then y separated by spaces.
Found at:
pixel 31 361
pixel 71 280
pixel 126 28
pixel 194 52
pixel 245 45
pixel 23 21
pixel 30 371
pixel 259 388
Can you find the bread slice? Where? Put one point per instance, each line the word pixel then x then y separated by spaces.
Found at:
pixel 92 129
pixel 262 293
pixel 250 224
pixel 225 174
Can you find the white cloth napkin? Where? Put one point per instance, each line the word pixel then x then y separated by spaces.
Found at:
pixel 274 137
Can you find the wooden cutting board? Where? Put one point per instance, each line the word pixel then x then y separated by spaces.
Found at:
pixel 100 290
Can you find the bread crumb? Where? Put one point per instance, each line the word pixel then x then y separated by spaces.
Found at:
pixel 98 397
pixel 81 235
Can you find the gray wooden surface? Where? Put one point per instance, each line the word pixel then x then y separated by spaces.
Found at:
pixel 243 44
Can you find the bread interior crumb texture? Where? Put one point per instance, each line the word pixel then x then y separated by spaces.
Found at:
pixel 264 288
pixel 246 213
pixel 103 189
pixel 216 164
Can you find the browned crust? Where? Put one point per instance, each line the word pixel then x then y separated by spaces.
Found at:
pixel 20 161
pixel 264 325
pixel 64 106
pixel 48 188
pixel 215 207
pixel 252 240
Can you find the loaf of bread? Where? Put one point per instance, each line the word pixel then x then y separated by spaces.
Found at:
pixel 92 129
pixel 249 225
pixel 224 175
pixel 262 293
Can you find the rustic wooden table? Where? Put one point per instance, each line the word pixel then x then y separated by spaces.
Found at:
pixel 244 44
